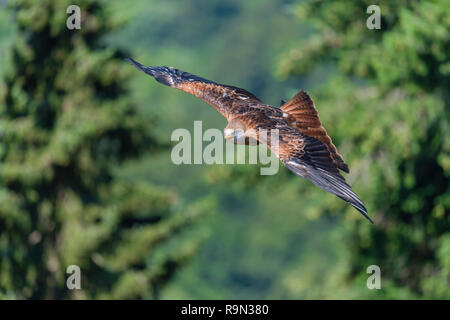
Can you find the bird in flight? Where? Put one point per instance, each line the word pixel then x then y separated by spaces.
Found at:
pixel 304 146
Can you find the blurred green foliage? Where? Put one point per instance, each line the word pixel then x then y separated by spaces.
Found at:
pixel 382 96
pixel 66 122
pixel 260 235
pixel 388 98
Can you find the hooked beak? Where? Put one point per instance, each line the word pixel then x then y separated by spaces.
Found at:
pixel 236 136
pixel 230 133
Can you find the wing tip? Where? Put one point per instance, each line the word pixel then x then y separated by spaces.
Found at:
pixel 330 182
pixel 134 63
pixel 351 198
pixel 161 74
pixel 147 70
pixel 356 203
pixel 361 208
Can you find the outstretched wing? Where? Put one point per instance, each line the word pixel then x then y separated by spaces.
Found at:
pixel 306 119
pixel 309 158
pixel 221 97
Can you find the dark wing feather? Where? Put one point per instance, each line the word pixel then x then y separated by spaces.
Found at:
pixel 316 165
pixel 309 158
pixel 221 97
pixel 306 119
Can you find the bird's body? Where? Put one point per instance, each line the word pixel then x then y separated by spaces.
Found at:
pixel 303 145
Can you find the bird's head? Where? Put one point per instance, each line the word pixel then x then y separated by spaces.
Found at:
pixel 235 131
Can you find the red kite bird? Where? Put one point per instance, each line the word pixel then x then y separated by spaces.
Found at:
pixel 304 146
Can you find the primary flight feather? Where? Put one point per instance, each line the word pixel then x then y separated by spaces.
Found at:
pixel 304 146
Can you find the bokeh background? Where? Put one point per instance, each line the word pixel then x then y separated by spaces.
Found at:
pixel 86 177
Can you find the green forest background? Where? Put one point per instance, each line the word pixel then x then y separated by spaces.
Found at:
pixel 86 177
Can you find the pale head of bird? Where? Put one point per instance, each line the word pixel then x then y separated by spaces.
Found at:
pixel 235 131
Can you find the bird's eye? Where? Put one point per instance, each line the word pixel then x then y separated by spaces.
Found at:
pixel 228 132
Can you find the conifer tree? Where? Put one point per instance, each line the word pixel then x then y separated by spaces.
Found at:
pixel 386 101
pixel 66 124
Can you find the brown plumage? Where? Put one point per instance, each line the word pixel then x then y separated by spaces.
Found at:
pixel 304 146
pixel 304 117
